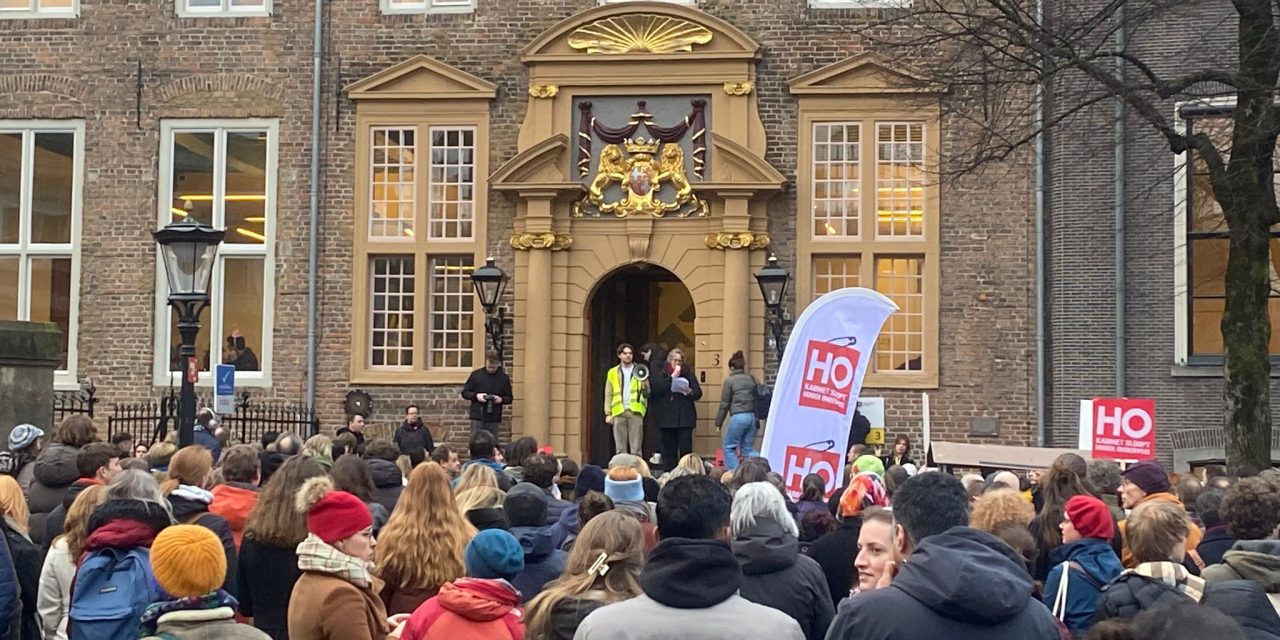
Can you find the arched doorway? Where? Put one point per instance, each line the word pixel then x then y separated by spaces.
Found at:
pixel 637 304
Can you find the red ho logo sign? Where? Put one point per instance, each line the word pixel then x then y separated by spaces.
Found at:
pixel 828 376
pixel 1124 428
pixel 801 462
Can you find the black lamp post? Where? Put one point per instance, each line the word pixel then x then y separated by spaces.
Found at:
pixel 489 282
pixel 189 249
pixel 773 286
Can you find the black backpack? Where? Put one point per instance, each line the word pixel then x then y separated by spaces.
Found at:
pixel 763 397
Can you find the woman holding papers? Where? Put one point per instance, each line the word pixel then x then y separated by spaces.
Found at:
pixel 675 392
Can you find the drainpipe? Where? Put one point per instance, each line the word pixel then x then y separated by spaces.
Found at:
pixel 1041 366
pixel 317 52
pixel 1118 178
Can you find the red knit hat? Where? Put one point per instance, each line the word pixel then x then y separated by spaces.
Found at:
pixel 1090 517
pixel 332 515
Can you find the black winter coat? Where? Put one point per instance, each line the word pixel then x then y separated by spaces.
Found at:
pixel 961 583
pixel 1215 543
pixel 266 577
pixel 835 553
pixel 55 522
pixel 26 565
pixel 775 575
pixel 674 410
pixel 414 440
pixel 388 482
pixel 1242 600
pixel 190 511
pixel 567 615
pixel 55 470
pixel 497 383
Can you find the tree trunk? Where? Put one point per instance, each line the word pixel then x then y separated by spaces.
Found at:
pixel 1246 333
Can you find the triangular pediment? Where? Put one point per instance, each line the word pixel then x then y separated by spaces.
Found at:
pixel 422 78
pixel 737 165
pixel 539 166
pixel 641 30
pixel 864 74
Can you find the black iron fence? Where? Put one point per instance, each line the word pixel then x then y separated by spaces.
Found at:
pixel 152 421
pixel 78 402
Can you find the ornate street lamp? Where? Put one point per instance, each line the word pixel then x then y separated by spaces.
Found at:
pixel 189 249
pixel 773 286
pixel 489 282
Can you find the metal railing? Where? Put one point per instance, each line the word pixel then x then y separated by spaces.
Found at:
pixel 152 421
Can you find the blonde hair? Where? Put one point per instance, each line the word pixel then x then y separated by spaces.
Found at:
pixel 624 474
pixel 619 538
pixel 693 462
pixel 74 531
pixel 190 465
pixel 423 543
pixel 318 446
pixel 479 498
pixel 1154 528
pixel 1000 507
pixel 13 502
pixel 476 476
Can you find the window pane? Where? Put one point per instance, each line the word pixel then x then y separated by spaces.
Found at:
pixel 835 272
pixel 246 187
pixel 837 185
pixel 55 4
pixel 1206 326
pixel 391 333
pixel 242 284
pixel 54 166
pixel 900 179
pixel 202 342
pixel 1208 266
pixel 393 188
pixel 50 294
pixel 900 347
pixel 204 4
pixel 193 175
pixel 9 288
pixel 10 186
pixel 15 5
pixel 452 304
pixel 248 4
pixel 451 176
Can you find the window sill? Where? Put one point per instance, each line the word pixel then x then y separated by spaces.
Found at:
pixel 183 13
pixel 453 376
pixel 417 11
pixel 1207 371
pixel 39 15
pixel 254 380
pixel 859 4
pixel 921 381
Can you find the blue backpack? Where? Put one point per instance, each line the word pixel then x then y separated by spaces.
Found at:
pixel 112 589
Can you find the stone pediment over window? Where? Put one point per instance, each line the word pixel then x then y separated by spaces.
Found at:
pixel 422 78
pixel 641 30
pixel 737 168
pixel 538 168
pixel 866 74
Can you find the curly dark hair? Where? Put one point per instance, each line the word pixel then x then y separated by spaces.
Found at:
pixel 1251 509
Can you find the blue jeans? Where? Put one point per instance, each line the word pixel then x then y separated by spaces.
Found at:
pixel 739 436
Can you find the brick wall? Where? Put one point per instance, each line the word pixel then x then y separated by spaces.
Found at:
pixel 261 66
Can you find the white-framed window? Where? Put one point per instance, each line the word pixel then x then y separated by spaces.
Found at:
pixel 900 347
pixel 14 9
pixel 859 4
pixel 222 173
pixel 832 272
pixel 391 326
pixel 393 197
pixel 687 3
pixel 41 178
pixel 427 6
pixel 1201 239
pixel 837 180
pixel 451 183
pixel 222 8
pixel 452 306
pixel 899 179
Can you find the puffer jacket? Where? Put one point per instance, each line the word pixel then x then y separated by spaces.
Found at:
pixel 191 506
pixel 737 395
pixel 775 575
pixel 468 609
pixel 1242 600
pixel 1094 564
pixel 543 562
pixel 388 482
pixel 55 470
pixel 234 501
pixel 567 615
pixel 1256 560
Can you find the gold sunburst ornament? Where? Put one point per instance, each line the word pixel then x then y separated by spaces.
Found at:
pixel 639 33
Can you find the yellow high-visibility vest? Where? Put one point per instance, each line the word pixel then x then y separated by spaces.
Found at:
pixel 639 399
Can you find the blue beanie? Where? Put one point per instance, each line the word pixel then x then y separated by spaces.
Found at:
pixel 624 489
pixel 494 553
pixel 590 478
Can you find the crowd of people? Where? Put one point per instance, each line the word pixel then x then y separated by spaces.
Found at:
pixel 345 538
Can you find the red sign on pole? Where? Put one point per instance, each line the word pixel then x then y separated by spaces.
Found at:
pixel 1124 428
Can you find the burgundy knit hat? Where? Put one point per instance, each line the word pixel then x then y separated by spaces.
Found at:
pixel 1090 517
pixel 332 515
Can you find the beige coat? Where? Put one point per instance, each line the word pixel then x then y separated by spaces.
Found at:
pixel 326 607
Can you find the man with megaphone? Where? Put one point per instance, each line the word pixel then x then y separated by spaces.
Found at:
pixel 626 398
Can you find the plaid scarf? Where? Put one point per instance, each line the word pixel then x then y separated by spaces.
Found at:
pixel 213 600
pixel 315 555
pixel 1173 575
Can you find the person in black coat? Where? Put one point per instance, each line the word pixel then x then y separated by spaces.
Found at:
pixel 489 390
pixel 388 482
pixel 836 551
pixel 26 566
pixel 774 573
pixel 675 411
pixel 413 438
pixel 1217 540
